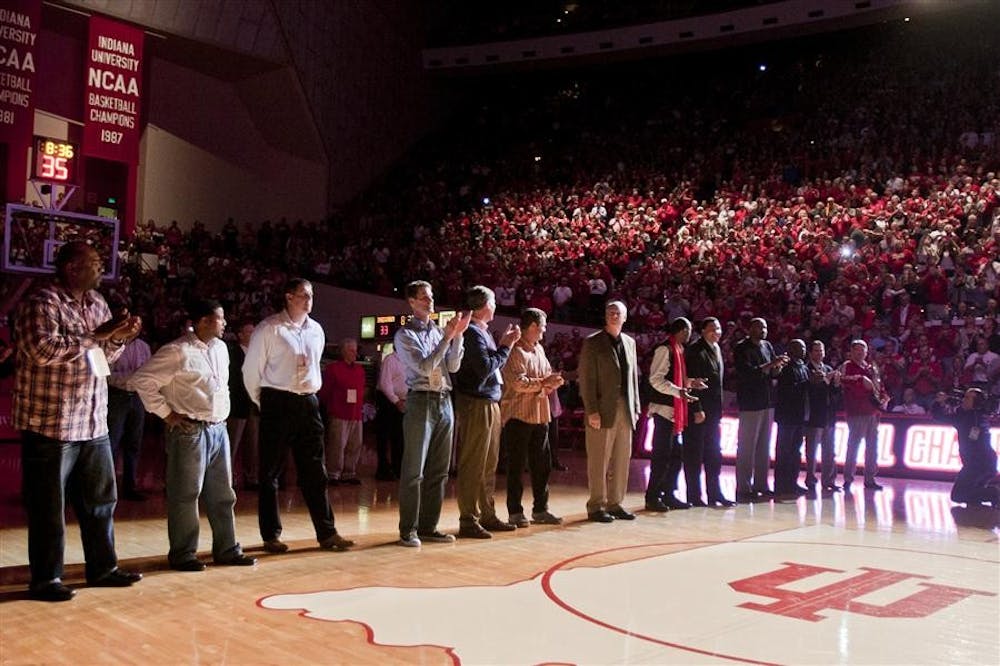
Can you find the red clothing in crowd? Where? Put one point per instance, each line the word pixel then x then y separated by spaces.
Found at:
pixel 343 390
pixel 858 397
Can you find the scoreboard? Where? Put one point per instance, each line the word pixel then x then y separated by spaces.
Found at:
pixel 55 160
pixel 382 328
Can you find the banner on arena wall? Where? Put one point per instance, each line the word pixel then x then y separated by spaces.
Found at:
pixel 19 28
pixel 113 91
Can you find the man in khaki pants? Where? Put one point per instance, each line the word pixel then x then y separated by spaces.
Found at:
pixel 609 388
pixel 478 387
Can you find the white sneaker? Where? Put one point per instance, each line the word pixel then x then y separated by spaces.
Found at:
pixel 410 541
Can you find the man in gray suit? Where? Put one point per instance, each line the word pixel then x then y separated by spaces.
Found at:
pixel 609 388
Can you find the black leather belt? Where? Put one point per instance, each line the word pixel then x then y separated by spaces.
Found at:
pixel 203 424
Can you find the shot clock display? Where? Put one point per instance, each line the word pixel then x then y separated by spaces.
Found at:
pixel 55 160
pixel 382 328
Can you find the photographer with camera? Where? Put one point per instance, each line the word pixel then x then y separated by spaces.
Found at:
pixel 977 481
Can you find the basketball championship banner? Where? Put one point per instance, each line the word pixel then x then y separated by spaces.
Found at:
pixel 113 92
pixel 19 27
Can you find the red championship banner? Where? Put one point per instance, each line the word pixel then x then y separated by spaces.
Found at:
pixel 113 92
pixel 19 27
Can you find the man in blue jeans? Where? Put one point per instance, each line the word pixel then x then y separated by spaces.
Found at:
pixel 65 336
pixel 428 353
pixel 186 383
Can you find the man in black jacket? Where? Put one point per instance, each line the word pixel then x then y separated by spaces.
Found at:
pixel 791 410
pixel 824 395
pixel 701 445
pixel 756 364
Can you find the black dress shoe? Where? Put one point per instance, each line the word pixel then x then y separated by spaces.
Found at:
pixel 600 517
pixel 118 578
pixel 474 532
pixel 675 503
pixel 351 481
pixel 657 506
pixel 721 501
pixel 559 467
pixel 189 565
pixel 832 488
pixel 746 498
pixel 874 486
pixel 54 591
pixel 497 525
pixel 618 513
pixel 801 490
pixel 240 560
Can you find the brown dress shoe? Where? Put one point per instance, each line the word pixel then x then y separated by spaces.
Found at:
pixel 335 542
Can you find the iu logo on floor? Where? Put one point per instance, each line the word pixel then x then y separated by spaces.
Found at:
pixel 845 595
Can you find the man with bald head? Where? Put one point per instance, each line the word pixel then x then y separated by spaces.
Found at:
pixel 65 338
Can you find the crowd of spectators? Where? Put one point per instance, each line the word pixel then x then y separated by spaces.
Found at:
pixel 850 191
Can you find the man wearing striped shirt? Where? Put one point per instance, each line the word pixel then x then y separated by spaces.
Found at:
pixel 525 414
pixel 65 335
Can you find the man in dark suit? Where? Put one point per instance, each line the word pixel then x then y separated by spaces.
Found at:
pixel 824 394
pixel 609 388
pixel 791 410
pixel 701 446
pixel 243 415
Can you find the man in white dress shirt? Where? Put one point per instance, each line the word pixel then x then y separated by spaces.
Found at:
pixel 186 383
pixel 390 405
pixel 282 376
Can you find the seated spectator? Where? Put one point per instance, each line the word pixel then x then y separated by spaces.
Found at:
pixel 909 405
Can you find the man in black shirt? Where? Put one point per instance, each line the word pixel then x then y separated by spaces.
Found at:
pixel 756 363
pixel 824 394
pixel 791 409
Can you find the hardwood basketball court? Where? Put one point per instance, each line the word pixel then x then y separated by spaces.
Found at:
pixel 893 577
